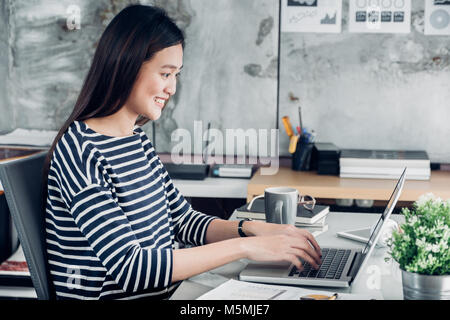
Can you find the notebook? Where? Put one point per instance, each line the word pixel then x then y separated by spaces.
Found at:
pixel 304 216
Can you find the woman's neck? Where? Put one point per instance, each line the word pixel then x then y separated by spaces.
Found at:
pixel 119 124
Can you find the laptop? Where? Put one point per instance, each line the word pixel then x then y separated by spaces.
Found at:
pixel 339 268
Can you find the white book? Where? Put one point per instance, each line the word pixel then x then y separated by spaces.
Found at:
pixel 233 170
pixel 383 176
pixel 380 163
pixel 383 158
pixel 385 171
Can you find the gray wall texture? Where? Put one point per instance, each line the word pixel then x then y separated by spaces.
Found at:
pixel 382 91
pixel 356 90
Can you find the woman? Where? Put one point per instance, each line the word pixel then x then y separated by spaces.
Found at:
pixel 113 214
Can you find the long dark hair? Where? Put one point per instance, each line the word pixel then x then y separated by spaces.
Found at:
pixel 133 37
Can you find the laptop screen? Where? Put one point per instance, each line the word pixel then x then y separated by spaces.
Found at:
pixel 387 212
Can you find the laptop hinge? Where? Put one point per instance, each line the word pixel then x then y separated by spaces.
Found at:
pixel 356 263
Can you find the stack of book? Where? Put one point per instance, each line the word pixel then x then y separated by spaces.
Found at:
pixel 14 271
pixel 384 164
pixel 244 171
pixel 312 220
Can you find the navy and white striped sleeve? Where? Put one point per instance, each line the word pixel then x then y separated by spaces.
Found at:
pixel 190 226
pixel 109 233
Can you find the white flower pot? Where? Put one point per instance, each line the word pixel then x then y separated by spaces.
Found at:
pixel 425 287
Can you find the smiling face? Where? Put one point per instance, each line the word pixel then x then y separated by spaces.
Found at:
pixel 156 83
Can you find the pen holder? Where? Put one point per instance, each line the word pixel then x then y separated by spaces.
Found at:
pixel 301 158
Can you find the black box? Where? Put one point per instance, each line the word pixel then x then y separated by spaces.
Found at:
pixel 325 158
pixel 187 171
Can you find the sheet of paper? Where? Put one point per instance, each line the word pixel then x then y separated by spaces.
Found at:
pixel 311 16
pixel 242 290
pixel 209 279
pixel 380 16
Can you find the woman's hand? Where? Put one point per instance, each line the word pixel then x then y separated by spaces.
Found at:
pixel 280 242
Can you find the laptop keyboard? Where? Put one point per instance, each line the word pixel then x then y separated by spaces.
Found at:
pixel 333 263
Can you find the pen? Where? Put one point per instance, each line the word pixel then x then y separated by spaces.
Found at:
pixel 333 297
pixel 319 297
pixel 205 153
pixel 300 116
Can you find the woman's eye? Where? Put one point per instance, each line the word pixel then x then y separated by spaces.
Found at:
pixel 166 75
pixel 177 75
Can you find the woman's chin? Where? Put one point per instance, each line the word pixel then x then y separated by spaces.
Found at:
pixel 154 115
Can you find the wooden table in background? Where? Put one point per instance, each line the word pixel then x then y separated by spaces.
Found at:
pixel 333 187
pixel 8 153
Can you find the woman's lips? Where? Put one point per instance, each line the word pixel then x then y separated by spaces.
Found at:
pixel 160 102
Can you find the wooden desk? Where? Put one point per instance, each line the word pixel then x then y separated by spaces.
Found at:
pixel 333 187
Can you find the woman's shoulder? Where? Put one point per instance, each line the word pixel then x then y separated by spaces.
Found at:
pixel 74 142
pixel 74 136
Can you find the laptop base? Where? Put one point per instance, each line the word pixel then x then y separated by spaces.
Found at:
pixel 282 273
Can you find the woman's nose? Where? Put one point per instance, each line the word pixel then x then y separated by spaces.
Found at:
pixel 171 87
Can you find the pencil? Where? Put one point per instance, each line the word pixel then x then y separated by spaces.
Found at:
pixel 300 118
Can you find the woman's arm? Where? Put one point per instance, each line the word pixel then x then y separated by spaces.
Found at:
pixel 219 230
pixel 266 242
pixel 222 247
pixel 192 261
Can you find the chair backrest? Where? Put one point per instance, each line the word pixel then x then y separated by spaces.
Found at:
pixel 22 184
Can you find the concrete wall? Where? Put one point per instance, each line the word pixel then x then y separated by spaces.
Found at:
pixel 385 91
pixel 356 90
pixel 229 74
pixel 6 113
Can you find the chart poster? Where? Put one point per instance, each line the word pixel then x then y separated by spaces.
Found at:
pixel 380 16
pixel 323 16
pixel 437 17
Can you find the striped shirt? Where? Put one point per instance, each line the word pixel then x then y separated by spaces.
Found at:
pixel 113 216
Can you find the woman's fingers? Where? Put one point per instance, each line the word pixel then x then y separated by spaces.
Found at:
pixel 304 245
pixel 292 247
pixel 305 256
pixel 301 233
pixel 313 241
pixel 294 260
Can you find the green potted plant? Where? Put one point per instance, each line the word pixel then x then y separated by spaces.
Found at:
pixel 421 248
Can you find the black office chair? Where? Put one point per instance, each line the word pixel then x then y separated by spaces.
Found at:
pixel 22 184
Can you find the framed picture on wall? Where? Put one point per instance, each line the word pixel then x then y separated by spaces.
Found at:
pixel 380 16
pixel 323 16
pixel 437 17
